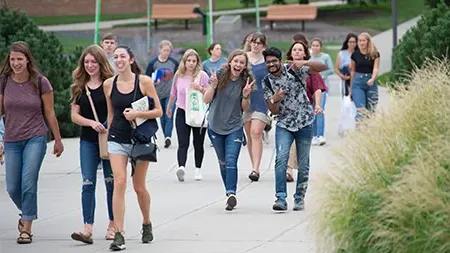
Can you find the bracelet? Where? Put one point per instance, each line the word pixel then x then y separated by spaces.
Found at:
pixel 245 97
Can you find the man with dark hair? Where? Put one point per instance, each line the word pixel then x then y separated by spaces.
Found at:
pixel 286 97
pixel 109 43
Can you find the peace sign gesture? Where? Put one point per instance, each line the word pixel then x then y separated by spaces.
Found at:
pixel 213 79
pixel 248 87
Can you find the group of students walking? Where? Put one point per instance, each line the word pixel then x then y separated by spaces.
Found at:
pixel 240 91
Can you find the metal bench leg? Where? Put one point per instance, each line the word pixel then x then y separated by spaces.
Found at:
pixel 186 22
pixel 271 25
pixel 156 24
pixel 303 25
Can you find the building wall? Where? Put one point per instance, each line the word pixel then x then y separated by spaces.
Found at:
pixel 86 7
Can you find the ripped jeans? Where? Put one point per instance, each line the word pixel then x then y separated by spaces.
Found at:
pixel 228 148
pixel 89 160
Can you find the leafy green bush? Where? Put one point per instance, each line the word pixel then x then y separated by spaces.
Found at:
pixel 48 52
pixel 390 191
pixel 430 38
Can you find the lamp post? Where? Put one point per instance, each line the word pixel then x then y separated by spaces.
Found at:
pixel 211 26
pixel 97 20
pixel 149 25
pixel 394 26
pixel 258 28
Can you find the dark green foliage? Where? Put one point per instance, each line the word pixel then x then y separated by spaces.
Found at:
pixel 434 3
pixel 48 53
pixel 430 38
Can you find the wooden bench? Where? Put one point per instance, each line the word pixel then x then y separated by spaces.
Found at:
pixel 173 12
pixel 290 12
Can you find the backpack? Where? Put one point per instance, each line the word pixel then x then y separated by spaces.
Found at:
pixel 5 82
pixel 292 72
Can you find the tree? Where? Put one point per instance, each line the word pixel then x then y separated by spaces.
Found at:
pixel 430 38
pixel 48 52
pixel 434 3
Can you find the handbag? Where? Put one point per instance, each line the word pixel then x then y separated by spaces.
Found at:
pixel 144 148
pixel 103 136
pixel 195 107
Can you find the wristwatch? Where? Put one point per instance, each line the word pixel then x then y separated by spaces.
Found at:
pixel 272 101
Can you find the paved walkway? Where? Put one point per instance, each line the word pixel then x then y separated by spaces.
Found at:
pixel 112 23
pixel 187 217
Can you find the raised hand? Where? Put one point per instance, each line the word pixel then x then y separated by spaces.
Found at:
pixel 279 95
pixel 297 64
pixel 248 87
pixel 213 79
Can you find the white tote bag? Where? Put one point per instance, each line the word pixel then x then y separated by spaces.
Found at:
pixel 195 107
pixel 347 121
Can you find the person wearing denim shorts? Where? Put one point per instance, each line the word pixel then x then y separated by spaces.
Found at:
pixel 92 70
pixel 228 96
pixel 27 99
pixel 364 72
pixel 120 91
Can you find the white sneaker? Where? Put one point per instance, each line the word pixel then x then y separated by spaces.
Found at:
pixel 198 174
pixel 322 140
pixel 315 141
pixel 180 173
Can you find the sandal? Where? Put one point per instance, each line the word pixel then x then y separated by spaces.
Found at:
pixel 20 224
pixel 25 240
pixel 110 232
pixel 83 237
pixel 254 176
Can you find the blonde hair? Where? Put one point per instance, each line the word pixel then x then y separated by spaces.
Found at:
pixel 372 51
pixel 81 77
pixel 165 43
pixel 182 68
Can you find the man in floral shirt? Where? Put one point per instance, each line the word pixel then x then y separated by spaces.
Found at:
pixel 286 96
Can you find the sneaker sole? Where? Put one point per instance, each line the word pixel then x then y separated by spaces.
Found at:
pixel 117 247
pixel 231 203
pixel 278 208
pixel 298 209
pixel 180 175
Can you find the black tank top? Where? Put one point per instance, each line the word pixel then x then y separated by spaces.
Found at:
pixel 120 130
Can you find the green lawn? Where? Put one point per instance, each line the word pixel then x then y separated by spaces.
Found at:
pixel 70 43
pixel 406 9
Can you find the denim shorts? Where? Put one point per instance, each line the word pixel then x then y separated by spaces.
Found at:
pixel 116 148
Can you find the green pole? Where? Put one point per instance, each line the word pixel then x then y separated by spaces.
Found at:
pixel 149 24
pixel 210 23
pixel 258 29
pixel 97 20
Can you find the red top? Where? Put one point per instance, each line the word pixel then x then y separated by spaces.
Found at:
pixel 313 83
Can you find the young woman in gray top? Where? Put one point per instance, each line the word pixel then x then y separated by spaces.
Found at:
pixel 228 96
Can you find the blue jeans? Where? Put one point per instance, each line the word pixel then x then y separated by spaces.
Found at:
pixel 23 160
pixel 319 121
pixel 166 122
pixel 283 142
pixel 89 160
pixel 364 96
pixel 227 148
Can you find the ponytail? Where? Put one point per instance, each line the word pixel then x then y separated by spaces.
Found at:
pixel 135 68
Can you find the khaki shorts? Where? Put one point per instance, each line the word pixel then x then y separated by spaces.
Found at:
pixel 250 114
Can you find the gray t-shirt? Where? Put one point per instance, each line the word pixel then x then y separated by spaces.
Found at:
pixel 113 65
pixel 167 69
pixel 225 113
pixel 209 66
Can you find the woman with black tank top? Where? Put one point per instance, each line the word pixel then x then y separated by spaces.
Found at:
pixel 92 70
pixel 363 78
pixel 119 93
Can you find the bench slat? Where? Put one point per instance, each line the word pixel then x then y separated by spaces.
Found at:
pixel 173 11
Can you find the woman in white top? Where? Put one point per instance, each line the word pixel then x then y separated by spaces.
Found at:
pixel 343 60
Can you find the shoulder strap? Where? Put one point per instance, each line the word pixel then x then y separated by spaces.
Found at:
pixel 136 86
pixel 297 78
pixel 40 84
pixel 267 83
pixel 88 94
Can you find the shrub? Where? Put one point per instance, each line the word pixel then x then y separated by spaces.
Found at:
pixel 392 193
pixel 48 52
pixel 429 38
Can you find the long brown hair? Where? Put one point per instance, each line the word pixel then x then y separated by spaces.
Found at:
pixel 81 77
pixel 305 48
pixel 33 70
pixel 372 50
pixel 225 74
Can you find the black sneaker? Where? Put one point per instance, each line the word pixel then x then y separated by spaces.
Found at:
pixel 118 243
pixel 231 202
pixel 167 143
pixel 299 205
pixel 280 205
pixel 147 233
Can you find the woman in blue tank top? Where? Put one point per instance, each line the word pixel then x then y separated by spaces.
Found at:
pixel 255 118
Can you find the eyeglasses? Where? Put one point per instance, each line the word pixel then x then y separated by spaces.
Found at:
pixel 272 62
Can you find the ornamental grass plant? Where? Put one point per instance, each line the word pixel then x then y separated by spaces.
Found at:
pixel 390 191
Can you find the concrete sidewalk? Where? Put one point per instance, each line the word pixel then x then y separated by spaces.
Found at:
pixel 110 24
